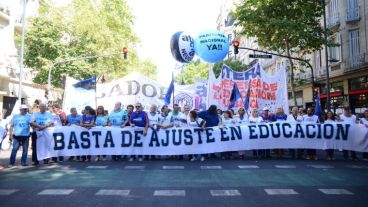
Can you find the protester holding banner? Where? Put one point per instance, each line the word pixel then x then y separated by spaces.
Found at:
pixel 195 121
pixel 178 117
pixel 330 119
pixel 153 117
pixel 73 118
pixel 310 118
pixel 139 118
pixel 19 132
pixel 129 111
pixel 166 120
pixel 118 118
pixel 88 121
pixel 295 117
pixel 267 118
pixel 40 121
pixel 280 116
pixel 255 119
pixel 242 117
pixel 227 121
pixel 348 118
pixel 102 120
pixel 58 119
pixel 210 117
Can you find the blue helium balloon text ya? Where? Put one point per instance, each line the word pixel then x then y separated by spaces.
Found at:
pixel 211 46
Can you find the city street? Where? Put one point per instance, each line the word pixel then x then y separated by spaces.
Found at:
pixel 214 182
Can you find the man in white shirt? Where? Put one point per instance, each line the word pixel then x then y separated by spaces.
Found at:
pixel 310 118
pixel 348 118
pixel 178 117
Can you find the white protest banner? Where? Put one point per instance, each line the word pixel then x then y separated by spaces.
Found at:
pixel 75 140
pixel 79 94
pixel 201 89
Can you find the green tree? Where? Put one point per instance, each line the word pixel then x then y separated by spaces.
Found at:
pixel 236 65
pixel 83 28
pixel 285 26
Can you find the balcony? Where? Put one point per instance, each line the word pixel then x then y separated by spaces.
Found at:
pixel 333 20
pixel 352 15
pixel 4 9
pixel 357 61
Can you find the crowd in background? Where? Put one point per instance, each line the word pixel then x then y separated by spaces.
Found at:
pixel 24 125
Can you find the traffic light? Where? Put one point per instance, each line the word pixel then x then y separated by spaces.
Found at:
pixel 125 53
pixel 236 44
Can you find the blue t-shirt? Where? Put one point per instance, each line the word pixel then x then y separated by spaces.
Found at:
pixel 280 117
pixel 101 120
pixel 118 118
pixel 73 120
pixel 139 119
pixel 88 120
pixel 21 124
pixel 42 118
pixel 211 119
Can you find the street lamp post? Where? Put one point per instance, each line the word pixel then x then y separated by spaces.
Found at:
pixel 328 101
pixel 124 52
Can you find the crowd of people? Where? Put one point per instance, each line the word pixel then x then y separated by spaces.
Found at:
pixel 25 125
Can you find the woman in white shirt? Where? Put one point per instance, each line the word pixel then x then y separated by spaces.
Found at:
pixel 227 119
pixel 255 119
pixel 195 121
pixel 330 119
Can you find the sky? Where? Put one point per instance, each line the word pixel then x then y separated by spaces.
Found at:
pixel 157 20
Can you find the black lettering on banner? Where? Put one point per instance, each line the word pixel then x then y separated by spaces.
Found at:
pixel 199 130
pixel 344 133
pixel 58 139
pixel 130 87
pixel 278 133
pixel 286 135
pixel 144 90
pixel 223 134
pixel 138 138
pixel 115 91
pixel 319 136
pixel 163 143
pixel 210 138
pixel 73 140
pixel 252 130
pixel 235 131
pixel 188 140
pixel 263 135
pixel 154 138
pixel 299 130
pixel 86 143
pixel 108 139
pixel 308 130
pixel 96 134
pixel 173 132
pixel 126 138
pixel 178 143
pixel 325 131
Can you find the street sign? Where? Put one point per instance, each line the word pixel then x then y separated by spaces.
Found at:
pixel 260 56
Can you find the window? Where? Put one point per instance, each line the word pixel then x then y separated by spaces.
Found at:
pixel 358 83
pixel 335 52
pixel 337 87
pixel 352 11
pixel 333 17
pixel 354 48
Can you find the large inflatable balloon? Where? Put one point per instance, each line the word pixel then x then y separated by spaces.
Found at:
pixel 212 46
pixel 182 47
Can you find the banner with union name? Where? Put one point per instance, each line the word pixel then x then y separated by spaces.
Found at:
pixel 75 140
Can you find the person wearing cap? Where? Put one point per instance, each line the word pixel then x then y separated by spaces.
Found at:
pixel 267 118
pixel 19 132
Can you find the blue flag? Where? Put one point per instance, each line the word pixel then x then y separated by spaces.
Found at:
pixel 318 109
pixel 86 84
pixel 246 101
pixel 169 92
pixel 235 95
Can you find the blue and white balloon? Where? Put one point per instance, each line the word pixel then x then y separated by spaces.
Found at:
pixel 182 47
pixel 211 46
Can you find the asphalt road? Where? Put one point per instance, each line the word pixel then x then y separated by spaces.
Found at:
pixel 215 182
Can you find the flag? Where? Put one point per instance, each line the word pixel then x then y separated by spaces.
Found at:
pixel 169 92
pixel 246 101
pixel 86 84
pixel 318 109
pixel 235 95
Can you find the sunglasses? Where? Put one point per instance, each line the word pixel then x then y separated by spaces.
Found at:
pixel 137 106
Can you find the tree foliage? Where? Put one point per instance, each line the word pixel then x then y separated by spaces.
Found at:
pixel 233 64
pixel 285 26
pixel 83 28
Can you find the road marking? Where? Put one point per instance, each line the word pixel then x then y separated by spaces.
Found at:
pixel 56 192
pixel 169 193
pixel 134 167
pixel 211 167
pixel 248 166
pixel 113 192
pixel 97 167
pixel 358 166
pixel 281 192
pixel 336 192
pixel 321 166
pixel 5 192
pixel 225 193
pixel 285 166
pixel 172 167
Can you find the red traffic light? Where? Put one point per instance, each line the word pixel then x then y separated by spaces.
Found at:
pixel 236 43
pixel 125 50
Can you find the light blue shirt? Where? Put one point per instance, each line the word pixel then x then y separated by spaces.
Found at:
pixel 42 118
pixel 101 120
pixel 21 124
pixel 118 118
pixel 73 120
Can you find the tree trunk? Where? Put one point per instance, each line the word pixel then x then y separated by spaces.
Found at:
pixel 292 73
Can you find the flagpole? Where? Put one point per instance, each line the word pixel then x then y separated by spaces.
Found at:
pixel 22 53
pixel 173 96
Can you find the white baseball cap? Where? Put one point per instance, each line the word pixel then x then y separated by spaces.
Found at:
pixel 23 106
pixel 266 108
